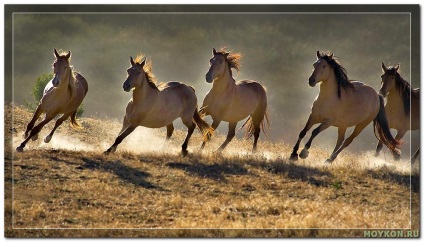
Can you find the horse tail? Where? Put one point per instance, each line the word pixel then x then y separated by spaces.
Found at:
pixel 204 128
pixel 382 130
pixel 250 128
pixel 74 122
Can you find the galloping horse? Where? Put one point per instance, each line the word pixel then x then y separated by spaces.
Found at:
pixel 62 95
pixel 343 103
pixel 403 104
pixel 233 101
pixel 156 106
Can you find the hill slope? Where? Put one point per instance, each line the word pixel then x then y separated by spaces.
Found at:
pixel 70 184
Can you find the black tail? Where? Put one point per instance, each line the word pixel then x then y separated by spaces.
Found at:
pixel 250 128
pixel 382 130
pixel 203 127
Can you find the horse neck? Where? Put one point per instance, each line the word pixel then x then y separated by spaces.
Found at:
pixel 328 88
pixel 395 99
pixel 224 83
pixel 144 92
pixel 68 83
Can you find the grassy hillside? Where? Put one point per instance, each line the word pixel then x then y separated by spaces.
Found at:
pixel 69 184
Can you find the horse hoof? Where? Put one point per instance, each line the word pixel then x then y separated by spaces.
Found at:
pixel 294 157
pixel 329 161
pixel 396 157
pixel 110 150
pixel 20 149
pixel 376 154
pixel 47 139
pixel 184 152
pixel 304 154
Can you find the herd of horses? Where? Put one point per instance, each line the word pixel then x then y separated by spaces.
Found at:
pixel 341 103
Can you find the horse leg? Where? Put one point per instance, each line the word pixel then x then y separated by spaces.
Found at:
pixel 125 124
pixel 378 148
pixel 302 134
pixel 398 136
pixel 190 131
pixel 356 131
pixel 304 154
pixel 214 125
pixel 30 125
pixel 230 135
pixel 340 138
pixel 33 132
pixel 120 138
pixel 169 131
pixel 57 124
pixel 415 155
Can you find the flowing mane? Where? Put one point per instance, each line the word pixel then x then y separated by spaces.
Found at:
pixel 233 59
pixel 339 71
pixel 147 70
pixel 404 89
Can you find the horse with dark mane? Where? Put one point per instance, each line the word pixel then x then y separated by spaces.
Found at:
pixel 403 104
pixel 343 103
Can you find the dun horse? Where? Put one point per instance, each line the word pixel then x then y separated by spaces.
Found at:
pixel 62 95
pixel 233 101
pixel 156 106
pixel 343 103
pixel 402 107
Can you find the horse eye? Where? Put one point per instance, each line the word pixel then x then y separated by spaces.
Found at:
pixel 382 76
pixel 324 67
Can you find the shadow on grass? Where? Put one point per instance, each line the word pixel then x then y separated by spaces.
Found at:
pixel 125 173
pixel 215 171
pixel 412 181
pixel 294 171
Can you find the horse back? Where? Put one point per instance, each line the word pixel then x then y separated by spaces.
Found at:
pixel 82 81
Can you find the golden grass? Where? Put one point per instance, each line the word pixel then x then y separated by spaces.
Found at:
pixel 69 184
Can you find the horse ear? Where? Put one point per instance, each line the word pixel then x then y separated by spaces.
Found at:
pixel 68 55
pixel 331 56
pixel 143 62
pixel 318 54
pixel 56 54
pixel 397 67
pixel 226 55
pixel 132 61
pixel 383 67
pixel 213 51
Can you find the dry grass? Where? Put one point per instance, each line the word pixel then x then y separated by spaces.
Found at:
pixel 69 184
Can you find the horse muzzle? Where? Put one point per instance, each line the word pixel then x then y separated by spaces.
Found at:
pixel 126 86
pixel 383 93
pixel 55 81
pixel 209 78
pixel 312 82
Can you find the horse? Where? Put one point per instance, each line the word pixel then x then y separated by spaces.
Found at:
pixel 156 106
pixel 342 103
pixel 62 95
pixel 232 101
pixel 402 106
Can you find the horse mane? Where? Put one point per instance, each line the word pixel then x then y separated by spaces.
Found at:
pixel 339 71
pixel 233 59
pixel 151 80
pixel 404 89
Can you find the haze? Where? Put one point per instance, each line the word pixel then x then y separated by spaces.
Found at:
pixel 278 51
